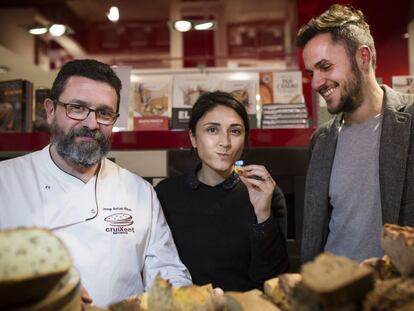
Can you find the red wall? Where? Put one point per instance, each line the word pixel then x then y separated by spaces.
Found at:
pixel 388 21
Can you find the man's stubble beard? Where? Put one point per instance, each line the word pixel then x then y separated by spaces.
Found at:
pixel 84 153
pixel 351 97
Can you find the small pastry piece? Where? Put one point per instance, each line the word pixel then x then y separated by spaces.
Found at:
pixel 238 168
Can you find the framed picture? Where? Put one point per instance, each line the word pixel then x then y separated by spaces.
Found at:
pixel 16 106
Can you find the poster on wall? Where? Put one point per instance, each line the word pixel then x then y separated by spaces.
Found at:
pixel 403 84
pixel 287 87
pixel 186 90
pixel 151 104
pixel 245 92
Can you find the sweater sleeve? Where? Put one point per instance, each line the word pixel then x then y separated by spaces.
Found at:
pixel 269 256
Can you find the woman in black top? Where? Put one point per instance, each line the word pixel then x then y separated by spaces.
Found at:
pixel 228 229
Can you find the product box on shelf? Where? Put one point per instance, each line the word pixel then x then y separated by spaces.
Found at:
pixel 288 109
pixel 40 121
pixel 16 106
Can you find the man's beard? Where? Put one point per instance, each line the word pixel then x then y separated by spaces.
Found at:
pixel 351 97
pixel 83 153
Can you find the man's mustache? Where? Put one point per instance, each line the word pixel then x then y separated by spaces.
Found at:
pixel 85 132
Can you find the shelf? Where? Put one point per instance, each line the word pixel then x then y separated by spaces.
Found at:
pixel 172 139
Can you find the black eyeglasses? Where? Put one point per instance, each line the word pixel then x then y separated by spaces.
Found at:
pixel 81 112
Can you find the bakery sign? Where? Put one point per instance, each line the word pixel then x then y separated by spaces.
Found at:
pixel 119 223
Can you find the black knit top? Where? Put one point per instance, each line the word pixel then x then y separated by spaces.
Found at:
pixel 217 235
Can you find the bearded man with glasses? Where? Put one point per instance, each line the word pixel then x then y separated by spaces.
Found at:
pixel 109 218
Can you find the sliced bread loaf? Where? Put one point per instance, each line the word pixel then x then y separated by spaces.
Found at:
pixel 32 261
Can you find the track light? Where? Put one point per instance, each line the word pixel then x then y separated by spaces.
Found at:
pixel 55 30
pixel 182 25
pixel 187 25
pixel 204 25
pixel 38 30
pixel 113 14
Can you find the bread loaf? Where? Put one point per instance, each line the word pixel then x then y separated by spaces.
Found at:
pixel 162 296
pixel 382 267
pixel 280 289
pixel 398 243
pixel 65 296
pixel 396 294
pixel 32 261
pixel 288 281
pixel 248 301
pixel 337 280
pixel 194 298
pixel 129 304
pixel 277 296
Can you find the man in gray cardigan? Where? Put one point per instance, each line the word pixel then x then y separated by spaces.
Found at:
pixel 361 171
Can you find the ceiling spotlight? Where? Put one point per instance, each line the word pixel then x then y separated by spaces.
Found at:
pixel 57 30
pixel 182 25
pixel 207 25
pixel 38 30
pixel 113 14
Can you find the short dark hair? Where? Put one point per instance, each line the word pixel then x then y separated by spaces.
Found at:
pixel 345 25
pixel 209 100
pixel 88 68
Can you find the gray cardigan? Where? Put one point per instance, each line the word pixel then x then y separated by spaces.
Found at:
pixel 396 162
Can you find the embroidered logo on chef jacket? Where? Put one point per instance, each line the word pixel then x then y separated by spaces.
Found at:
pixel 119 223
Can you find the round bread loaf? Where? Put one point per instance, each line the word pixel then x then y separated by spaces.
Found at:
pixel 32 262
pixel 65 296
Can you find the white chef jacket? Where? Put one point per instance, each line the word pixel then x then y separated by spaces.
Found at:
pixel 126 240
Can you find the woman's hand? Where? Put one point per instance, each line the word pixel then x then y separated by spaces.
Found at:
pixel 260 186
